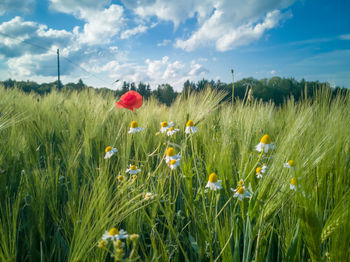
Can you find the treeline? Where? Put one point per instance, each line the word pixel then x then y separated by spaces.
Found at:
pixel 275 89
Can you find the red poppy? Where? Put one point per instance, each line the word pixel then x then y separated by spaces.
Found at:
pixel 130 100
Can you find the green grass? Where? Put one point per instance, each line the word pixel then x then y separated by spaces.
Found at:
pixel 59 195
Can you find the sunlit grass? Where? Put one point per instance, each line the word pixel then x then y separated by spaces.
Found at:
pixel 59 195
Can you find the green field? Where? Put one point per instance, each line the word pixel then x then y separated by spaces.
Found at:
pixel 59 195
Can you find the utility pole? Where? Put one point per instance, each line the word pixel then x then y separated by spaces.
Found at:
pixel 58 70
pixel 233 86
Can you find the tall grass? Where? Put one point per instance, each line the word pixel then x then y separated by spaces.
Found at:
pixel 59 194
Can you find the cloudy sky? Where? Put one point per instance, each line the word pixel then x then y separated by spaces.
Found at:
pixel 166 41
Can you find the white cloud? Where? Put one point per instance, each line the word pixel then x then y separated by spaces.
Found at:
pixel 197 69
pixel 165 42
pixel 224 24
pixel 226 37
pixel 345 37
pixel 154 72
pixel 131 32
pixel 7 6
pixel 77 6
pixel 273 72
pixel 18 37
pixel 101 26
pixel 173 11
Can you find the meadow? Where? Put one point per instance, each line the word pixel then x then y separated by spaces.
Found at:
pixel 61 200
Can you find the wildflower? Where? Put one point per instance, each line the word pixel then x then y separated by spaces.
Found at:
pixel 148 196
pixel 114 234
pixel 130 100
pixel 132 170
pixel 164 126
pixel 241 182
pixel 171 131
pixel 241 192
pixel 289 164
pixel 120 178
pixel 134 128
pixel 170 155
pixel 110 152
pixel 213 182
pixel 118 244
pixel 173 164
pixel 134 177
pixel 134 237
pixel 265 144
pixel 260 170
pixel 102 243
pixel 190 128
pixel 293 184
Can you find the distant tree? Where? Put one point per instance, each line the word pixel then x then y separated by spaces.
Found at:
pixel 125 87
pixel 144 90
pixel 165 94
pixel 80 85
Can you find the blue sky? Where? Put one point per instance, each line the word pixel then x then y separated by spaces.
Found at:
pixel 162 41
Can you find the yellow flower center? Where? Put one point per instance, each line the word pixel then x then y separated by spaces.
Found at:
pixel 134 176
pixel 173 162
pixel 291 163
pixel 266 139
pixel 134 124
pixel 213 178
pixel 170 151
pixel 120 178
pixel 113 231
pixel 171 128
pixel 148 196
pixel 240 182
pixel 258 170
pixel 108 148
pixel 240 190
pixel 190 123
pixel 133 167
pixel 293 181
pixel 102 243
pixel 164 124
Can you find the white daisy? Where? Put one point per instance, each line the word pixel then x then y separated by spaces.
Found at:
pixel 293 184
pixel 260 170
pixel 148 196
pixel 164 126
pixel 190 128
pixel 173 164
pixel 265 144
pixel 241 193
pixel 170 155
pixel 134 128
pixel 171 131
pixel 110 151
pixel 289 164
pixel 114 234
pixel 132 170
pixel 213 182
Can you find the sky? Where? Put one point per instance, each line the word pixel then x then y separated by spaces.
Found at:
pixel 166 41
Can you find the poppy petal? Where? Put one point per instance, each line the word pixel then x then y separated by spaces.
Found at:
pixel 130 100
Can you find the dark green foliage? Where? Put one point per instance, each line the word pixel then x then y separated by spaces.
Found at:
pixel 275 89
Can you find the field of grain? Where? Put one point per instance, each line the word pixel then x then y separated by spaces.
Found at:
pixel 61 200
